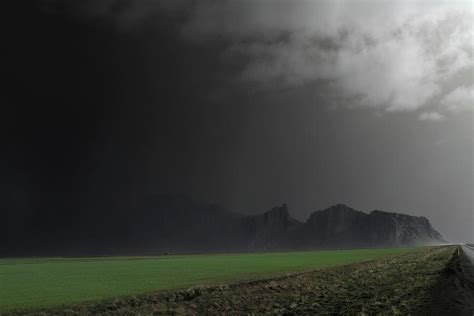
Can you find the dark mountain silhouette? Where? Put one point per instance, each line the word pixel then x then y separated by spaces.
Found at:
pixel 177 224
pixel 343 226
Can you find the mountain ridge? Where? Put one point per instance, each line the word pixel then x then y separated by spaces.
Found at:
pixel 178 224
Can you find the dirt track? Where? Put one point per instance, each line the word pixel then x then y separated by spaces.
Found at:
pixel 402 284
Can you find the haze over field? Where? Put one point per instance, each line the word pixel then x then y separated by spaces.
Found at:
pixel 245 104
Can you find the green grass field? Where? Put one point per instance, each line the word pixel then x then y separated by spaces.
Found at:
pixel 50 282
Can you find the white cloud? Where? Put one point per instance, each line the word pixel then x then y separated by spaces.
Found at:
pixel 431 116
pixel 460 99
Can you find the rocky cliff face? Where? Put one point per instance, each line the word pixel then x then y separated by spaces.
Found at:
pixel 343 226
pixel 270 230
pixel 400 229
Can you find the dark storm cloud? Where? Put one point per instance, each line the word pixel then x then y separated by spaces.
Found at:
pixel 233 102
pixel 404 56
pixel 85 106
pixel 120 12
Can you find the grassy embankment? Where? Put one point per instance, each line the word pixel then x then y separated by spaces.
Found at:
pixel 50 282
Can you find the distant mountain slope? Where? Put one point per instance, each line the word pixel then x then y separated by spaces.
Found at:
pixel 343 226
pixel 177 224
pixel 271 230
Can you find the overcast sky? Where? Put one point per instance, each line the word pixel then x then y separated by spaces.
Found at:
pixel 245 103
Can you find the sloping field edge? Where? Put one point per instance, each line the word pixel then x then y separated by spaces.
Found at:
pixel 453 292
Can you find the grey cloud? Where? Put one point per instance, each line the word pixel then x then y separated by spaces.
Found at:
pixel 431 116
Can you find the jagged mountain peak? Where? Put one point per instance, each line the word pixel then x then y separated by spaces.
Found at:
pixel 337 210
